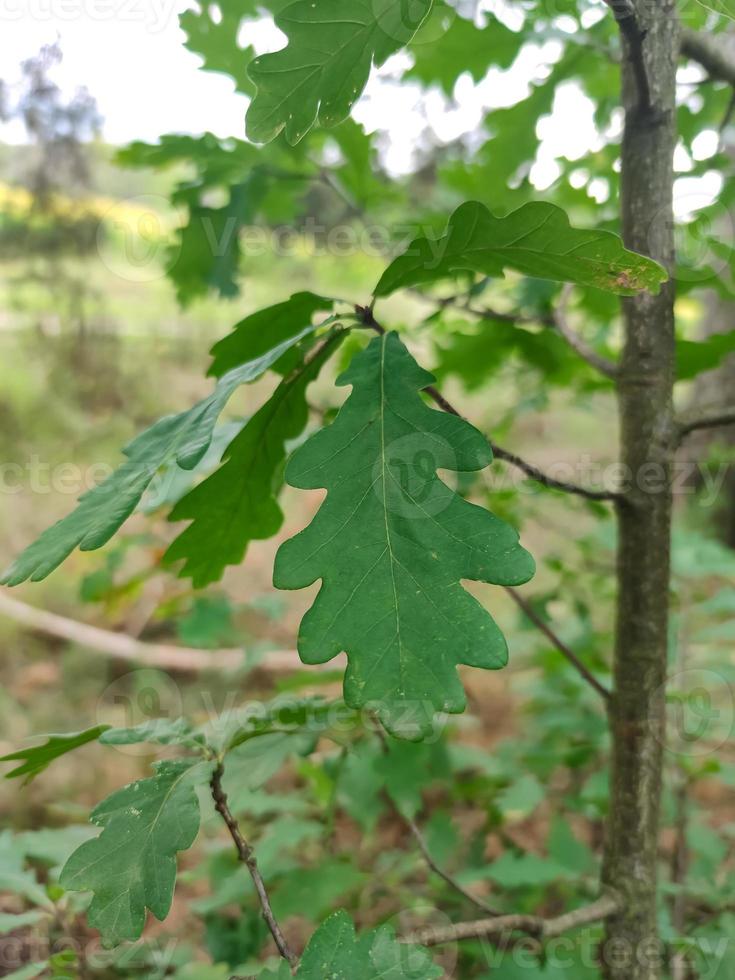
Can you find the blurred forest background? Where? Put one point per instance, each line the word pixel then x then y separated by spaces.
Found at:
pixel 94 345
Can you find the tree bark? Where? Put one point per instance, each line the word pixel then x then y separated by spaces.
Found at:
pixel 645 391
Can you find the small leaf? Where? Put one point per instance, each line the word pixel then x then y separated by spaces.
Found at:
pixel 332 46
pixel 536 240
pixel 11 923
pixel 40 757
pixel 259 332
pixel 391 544
pixel 337 953
pixel 526 871
pixel 521 798
pixel 131 866
pixel 239 502
pixel 101 512
pixel 15 878
pixel 461 47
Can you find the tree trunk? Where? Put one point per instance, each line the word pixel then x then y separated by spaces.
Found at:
pixel 645 388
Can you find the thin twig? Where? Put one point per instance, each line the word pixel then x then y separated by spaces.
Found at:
pixel 560 645
pixel 461 302
pixel 366 317
pixel 729 114
pixel 557 320
pixel 424 847
pixel 714 418
pixel 438 870
pixel 246 854
pixel 627 20
pixel 121 646
pixel 578 344
pixel 532 925
pixel 534 473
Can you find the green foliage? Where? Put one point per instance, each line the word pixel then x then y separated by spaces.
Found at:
pixel 323 70
pixel 260 332
pixel 238 503
pixel 323 800
pixel 335 951
pixel 536 240
pixel 460 47
pixel 391 544
pixel 185 438
pixel 39 758
pixel 131 866
pixel 693 357
pixel 256 185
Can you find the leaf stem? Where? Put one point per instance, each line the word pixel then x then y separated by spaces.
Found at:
pixel 246 854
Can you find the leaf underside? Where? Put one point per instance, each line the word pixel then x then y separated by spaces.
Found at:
pixel 320 74
pixel 131 866
pixel 239 502
pixel 391 544
pixel 185 438
pixel 536 240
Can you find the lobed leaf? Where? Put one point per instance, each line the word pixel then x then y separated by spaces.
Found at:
pixel 391 544
pixel 259 332
pixel 239 502
pixel 185 438
pixel 38 758
pixel 320 74
pixel 131 866
pixel 536 240
pixel 335 951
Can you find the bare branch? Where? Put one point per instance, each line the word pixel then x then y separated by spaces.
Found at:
pixel 602 364
pixel 367 318
pixel 634 36
pixel 246 854
pixel 532 925
pixel 424 847
pixel 560 645
pixel 120 646
pixel 714 418
pixel 712 52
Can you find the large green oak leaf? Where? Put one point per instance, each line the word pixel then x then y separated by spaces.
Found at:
pixel 392 543
pixel 320 74
pixel 131 866
pixel 536 240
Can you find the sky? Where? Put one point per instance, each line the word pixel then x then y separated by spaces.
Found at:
pixel 130 55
